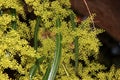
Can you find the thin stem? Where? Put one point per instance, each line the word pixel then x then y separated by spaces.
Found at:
pixel 89 13
pixel 65 70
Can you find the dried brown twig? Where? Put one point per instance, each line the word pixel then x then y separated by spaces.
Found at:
pixel 89 13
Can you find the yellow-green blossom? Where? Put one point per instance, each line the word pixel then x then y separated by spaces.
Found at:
pixel 17 46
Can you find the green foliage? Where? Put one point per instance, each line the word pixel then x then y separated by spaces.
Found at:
pixel 57 55
pixel 75 43
pixel 14 24
pixel 36 33
pixel 36 67
pixel 53 32
pixel 46 75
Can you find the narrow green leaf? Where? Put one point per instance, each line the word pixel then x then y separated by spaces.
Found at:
pixel 75 43
pixel 13 11
pixel 58 23
pixel 33 71
pixel 35 67
pixel 72 21
pixel 45 77
pixel 13 23
pixel 76 54
pixel 39 60
pixel 57 56
pixel 36 32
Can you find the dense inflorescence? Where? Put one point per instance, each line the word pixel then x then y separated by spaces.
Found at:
pixel 17 33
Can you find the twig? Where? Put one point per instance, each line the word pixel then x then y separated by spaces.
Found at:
pixel 89 13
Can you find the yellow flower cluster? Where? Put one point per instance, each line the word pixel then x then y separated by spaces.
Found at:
pixel 17 46
pixel 12 46
pixel 24 30
pixel 15 4
pixel 5 19
pixel 3 76
pixel 113 74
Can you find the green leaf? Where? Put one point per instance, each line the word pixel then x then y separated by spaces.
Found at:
pixel 35 67
pixel 75 43
pixel 39 60
pixel 72 21
pixel 57 55
pixel 38 20
pixel 58 23
pixel 13 23
pixel 33 70
pixel 76 54
pixel 13 12
pixel 45 77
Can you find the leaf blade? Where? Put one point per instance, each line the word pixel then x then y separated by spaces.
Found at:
pixel 75 43
pixel 33 70
pixel 38 20
pixel 58 51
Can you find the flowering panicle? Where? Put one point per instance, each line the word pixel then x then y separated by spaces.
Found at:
pixel 17 52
